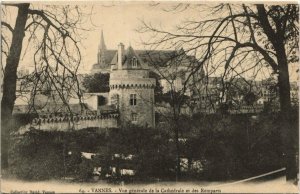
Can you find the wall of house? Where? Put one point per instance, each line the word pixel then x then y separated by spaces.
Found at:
pixel 144 107
pixel 176 85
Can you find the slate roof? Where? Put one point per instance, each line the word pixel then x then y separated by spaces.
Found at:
pixel 146 57
pixel 129 54
pixel 109 54
pixel 157 56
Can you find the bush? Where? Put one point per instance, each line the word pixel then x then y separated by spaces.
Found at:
pixel 36 157
pixel 85 171
pixel 98 82
pixel 40 155
pixel 235 146
pixel 150 148
pixel 228 146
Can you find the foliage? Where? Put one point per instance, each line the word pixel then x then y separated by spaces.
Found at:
pixel 150 149
pixel 85 171
pixel 20 119
pixel 228 147
pixel 158 90
pixel 34 157
pixel 174 98
pixel 250 98
pixel 40 155
pixel 235 146
pixel 98 82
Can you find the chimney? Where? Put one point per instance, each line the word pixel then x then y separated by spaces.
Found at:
pixel 120 55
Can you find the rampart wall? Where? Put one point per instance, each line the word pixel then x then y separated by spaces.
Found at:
pixel 67 123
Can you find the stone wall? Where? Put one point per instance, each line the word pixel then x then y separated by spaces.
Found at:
pixel 131 74
pixel 72 123
pixel 144 107
pixel 125 82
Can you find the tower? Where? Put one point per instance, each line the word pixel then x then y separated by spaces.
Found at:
pixel 131 89
pixel 101 51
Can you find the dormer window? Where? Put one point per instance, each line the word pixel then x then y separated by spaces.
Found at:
pixel 134 62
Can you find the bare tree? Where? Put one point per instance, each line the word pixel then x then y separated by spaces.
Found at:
pixel 171 68
pixel 239 40
pixel 54 34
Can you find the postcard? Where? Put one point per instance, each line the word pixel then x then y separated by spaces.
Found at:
pixel 149 97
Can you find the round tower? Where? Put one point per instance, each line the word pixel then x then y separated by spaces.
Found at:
pixel 131 89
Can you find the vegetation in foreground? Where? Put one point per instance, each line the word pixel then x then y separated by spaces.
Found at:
pixel 227 146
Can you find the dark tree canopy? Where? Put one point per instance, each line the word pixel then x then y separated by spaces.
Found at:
pixel 250 98
pixel 98 82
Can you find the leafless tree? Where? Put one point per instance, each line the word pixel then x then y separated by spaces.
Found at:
pixel 53 36
pixel 172 67
pixel 239 40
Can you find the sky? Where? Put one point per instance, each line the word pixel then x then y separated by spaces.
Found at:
pixel 119 22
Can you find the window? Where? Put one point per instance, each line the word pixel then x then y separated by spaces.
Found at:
pixel 132 99
pixel 114 100
pixel 134 117
pixel 101 100
pixel 134 62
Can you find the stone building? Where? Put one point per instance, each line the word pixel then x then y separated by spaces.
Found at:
pixel 170 67
pixel 131 89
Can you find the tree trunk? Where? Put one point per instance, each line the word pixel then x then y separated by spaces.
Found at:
pixel 289 133
pixel 176 130
pixel 177 154
pixel 10 80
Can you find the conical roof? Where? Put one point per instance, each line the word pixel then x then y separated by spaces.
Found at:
pixel 102 45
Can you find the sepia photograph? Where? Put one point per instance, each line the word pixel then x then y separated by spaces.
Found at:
pixel 149 97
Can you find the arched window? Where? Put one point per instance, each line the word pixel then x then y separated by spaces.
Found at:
pixel 134 62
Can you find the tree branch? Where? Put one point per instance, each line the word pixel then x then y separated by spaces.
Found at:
pixel 7 25
pixel 265 24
